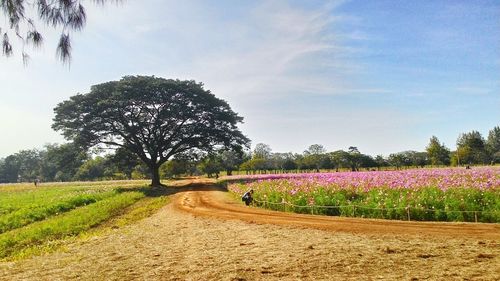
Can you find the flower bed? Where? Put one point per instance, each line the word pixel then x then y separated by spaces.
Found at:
pixel 419 194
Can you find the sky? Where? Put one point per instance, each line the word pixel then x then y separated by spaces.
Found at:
pixel 383 75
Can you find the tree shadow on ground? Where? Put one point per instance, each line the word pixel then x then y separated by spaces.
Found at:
pixel 167 190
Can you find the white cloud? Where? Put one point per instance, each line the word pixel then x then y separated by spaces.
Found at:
pixel 272 50
pixel 287 51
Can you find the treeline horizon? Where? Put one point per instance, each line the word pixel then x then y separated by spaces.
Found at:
pixel 68 162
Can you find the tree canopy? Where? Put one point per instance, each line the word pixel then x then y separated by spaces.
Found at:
pixel 154 118
pixel 438 153
pixel 262 151
pixel 493 144
pixel 471 148
pixel 314 156
pixel 23 19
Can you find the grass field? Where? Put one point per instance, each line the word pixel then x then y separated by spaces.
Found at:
pixel 33 218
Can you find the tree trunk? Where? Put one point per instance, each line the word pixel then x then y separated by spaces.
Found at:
pixel 155 176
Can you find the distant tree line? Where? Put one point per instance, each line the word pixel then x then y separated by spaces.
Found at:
pixel 69 162
pixel 472 149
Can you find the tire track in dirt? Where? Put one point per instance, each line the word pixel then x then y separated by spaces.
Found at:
pixel 212 201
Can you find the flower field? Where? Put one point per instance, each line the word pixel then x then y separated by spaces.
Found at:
pixel 419 194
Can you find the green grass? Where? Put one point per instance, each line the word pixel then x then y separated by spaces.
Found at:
pixel 36 220
pixel 18 196
pixel 36 212
pixel 67 224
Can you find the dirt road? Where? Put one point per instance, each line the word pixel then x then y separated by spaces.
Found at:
pixel 204 235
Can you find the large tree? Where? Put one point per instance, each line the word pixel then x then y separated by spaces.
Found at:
pixel 21 167
pixel 60 162
pixel 471 148
pixel 493 144
pixel 262 151
pixel 261 158
pixel 23 19
pixel 340 159
pixel 9 169
pixel 355 158
pixel 315 156
pixel 230 160
pixel 154 118
pixel 400 159
pixel 29 164
pixel 438 153
pixel 283 161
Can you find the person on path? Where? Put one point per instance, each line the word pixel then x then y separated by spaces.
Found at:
pixel 247 197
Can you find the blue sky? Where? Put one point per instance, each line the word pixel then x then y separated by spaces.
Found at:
pixel 380 75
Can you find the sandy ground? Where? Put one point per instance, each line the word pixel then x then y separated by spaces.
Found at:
pixel 204 235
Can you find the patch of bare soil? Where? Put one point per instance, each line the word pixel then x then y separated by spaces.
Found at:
pixel 204 235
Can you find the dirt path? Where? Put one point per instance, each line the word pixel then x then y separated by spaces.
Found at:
pixel 204 235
